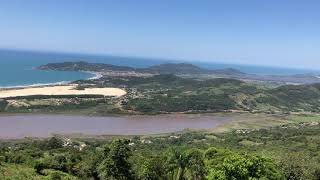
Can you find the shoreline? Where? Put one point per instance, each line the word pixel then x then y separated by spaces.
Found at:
pixel 95 75
pixel 42 126
pixel 60 90
pixel 138 125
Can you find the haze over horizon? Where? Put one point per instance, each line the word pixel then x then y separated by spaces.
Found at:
pixel 271 33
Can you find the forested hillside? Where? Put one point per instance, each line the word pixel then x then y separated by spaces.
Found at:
pixel 284 152
pixel 168 93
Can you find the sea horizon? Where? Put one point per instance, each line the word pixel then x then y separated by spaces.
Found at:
pixel 19 67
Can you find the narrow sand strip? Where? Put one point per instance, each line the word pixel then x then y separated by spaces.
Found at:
pixel 60 90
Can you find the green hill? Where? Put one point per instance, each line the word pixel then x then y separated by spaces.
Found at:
pixel 170 93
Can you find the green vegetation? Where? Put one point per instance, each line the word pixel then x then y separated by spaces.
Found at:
pixel 169 93
pixel 277 136
pixel 284 152
pixel 169 68
pixel 281 144
pixel 82 66
pixel 3 105
pixel 117 160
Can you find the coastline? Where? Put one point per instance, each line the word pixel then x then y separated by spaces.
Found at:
pixel 60 90
pixel 95 75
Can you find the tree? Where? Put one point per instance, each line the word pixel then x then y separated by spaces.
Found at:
pixel 152 168
pixel 54 143
pixel 176 163
pixel 213 160
pixel 88 166
pixel 2 159
pixel 250 167
pixel 195 164
pixel 39 165
pixel 293 170
pixel 183 163
pixel 116 164
pixel 228 165
pixel 316 174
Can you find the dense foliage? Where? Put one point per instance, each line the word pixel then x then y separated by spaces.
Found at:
pixel 169 93
pixel 117 160
pixel 285 152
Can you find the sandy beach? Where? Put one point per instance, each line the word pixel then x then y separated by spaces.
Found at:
pixel 60 90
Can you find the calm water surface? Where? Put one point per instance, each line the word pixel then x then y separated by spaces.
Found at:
pixel 17 67
pixel 46 125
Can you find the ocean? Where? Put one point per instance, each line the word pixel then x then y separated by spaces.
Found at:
pixel 17 67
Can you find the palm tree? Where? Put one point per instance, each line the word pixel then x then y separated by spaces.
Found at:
pixel 182 164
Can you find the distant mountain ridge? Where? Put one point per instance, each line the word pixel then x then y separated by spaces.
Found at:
pixel 168 68
pixel 171 68
pixel 184 69
pixel 84 66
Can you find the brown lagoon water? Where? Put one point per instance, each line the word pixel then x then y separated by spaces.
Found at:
pixel 20 126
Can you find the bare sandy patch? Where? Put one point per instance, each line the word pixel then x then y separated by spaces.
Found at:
pixel 60 90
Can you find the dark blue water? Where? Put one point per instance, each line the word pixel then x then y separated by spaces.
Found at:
pixel 261 70
pixel 16 67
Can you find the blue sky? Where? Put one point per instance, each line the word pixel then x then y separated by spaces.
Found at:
pixel 271 32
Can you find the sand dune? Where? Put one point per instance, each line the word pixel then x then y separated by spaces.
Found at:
pixel 60 90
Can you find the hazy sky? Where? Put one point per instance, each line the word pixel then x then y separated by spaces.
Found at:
pixel 268 32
